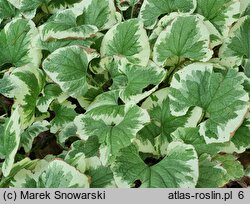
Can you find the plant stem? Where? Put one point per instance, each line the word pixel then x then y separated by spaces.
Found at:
pixel 47 7
pixel 123 19
pixel 203 117
pixel 132 11
pixel 172 71
pixel 93 81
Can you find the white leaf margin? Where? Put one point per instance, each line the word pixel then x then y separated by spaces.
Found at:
pixel 16 129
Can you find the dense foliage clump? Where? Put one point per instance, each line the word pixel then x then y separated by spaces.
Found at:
pixel 124 93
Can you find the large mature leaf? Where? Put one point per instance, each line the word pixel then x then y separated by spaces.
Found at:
pixel 238 43
pixel 62 25
pixel 9 141
pixel 115 126
pixel 220 95
pixel 19 38
pixel 222 13
pixel 178 169
pixel 127 40
pixel 215 36
pixel 152 9
pixel 73 62
pixel 185 38
pixel 98 13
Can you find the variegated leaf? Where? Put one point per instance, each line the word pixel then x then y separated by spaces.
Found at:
pixel 73 62
pixel 90 148
pixel 19 38
pixel 115 126
pixel 9 141
pixel 55 44
pixel 62 25
pixel 28 177
pixel 84 155
pixel 220 95
pixel 127 40
pixel 186 37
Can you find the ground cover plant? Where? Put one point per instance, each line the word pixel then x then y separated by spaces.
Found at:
pixel 124 93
